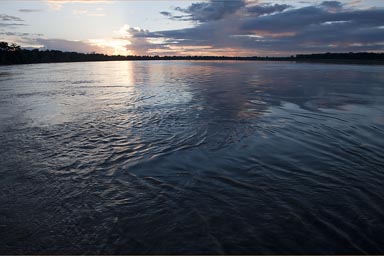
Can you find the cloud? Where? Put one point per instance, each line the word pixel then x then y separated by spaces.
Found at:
pixel 332 5
pixel 68 46
pixel 207 11
pixel 30 10
pixel 267 9
pixel 277 29
pixel 10 21
pixel 4 17
pixel 14 34
pixel 140 41
pixel 312 17
pixel 168 14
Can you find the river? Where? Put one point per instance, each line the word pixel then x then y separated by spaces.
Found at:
pixel 191 157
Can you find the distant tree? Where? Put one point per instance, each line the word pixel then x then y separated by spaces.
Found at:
pixel 4 46
pixel 14 47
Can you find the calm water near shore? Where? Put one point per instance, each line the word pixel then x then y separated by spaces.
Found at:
pixel 195 157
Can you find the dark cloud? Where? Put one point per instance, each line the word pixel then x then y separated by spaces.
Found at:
pixel 21 34
pixel 2 24
pixel 10 21
pixel 208 11
pixel 168 14
pixel 138 32
pixel 174 17
pixel 287 21
pixel 278 28
pixel 15 34
pixel 4 17
pixel 30 10
pixel 267 9
pixel 332 5
pixel 308 18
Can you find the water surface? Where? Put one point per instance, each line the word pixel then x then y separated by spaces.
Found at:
pixel 194 157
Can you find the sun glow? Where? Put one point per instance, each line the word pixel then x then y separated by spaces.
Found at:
pixel 112 46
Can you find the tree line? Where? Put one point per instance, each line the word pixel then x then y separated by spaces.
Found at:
pixel 14 54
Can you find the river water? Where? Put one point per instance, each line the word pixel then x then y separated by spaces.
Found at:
pixel 193 157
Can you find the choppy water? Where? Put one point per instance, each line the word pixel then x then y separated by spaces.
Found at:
pixel 191 157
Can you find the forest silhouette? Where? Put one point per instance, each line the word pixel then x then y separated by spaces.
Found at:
pixel 13 54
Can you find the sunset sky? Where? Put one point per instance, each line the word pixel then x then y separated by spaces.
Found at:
pixel 225 27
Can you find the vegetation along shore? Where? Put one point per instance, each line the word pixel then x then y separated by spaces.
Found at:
pixel 11 54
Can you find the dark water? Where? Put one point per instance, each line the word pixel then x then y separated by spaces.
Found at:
pixel 191 157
